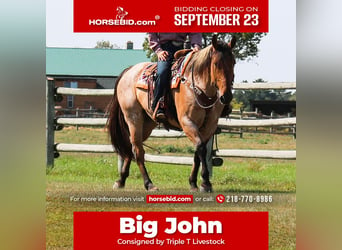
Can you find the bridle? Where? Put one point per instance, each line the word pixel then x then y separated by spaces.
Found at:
pixel 201 98
pixel 198 92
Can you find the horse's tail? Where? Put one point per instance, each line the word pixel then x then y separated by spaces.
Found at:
pixel 117 126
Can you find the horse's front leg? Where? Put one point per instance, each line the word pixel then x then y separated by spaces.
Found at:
pixel 202 154
pixel 191 130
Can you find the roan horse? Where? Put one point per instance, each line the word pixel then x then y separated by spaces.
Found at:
pixel 210 71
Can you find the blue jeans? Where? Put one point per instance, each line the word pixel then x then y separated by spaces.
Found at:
pixel 164 73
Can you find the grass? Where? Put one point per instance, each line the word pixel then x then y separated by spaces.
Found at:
pixel 251 174
pixel 90 175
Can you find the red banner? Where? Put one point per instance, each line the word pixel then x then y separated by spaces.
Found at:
pixel 151 230
pixel 171 16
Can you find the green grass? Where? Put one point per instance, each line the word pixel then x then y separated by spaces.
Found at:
pixel 235 175
pixel 89 175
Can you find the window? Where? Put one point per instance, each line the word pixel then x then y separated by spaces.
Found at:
pixel 70 98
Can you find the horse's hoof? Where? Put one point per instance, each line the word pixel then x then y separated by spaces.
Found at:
pixel 117 185
pixel 194 189
pixel 206 189
pixel 152 188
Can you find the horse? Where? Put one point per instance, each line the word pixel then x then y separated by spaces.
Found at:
pixel 121 13
pixel 209 71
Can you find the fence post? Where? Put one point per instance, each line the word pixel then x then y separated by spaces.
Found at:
pixel 77 115
pixel 256 111
pixel 241 117
pixel 271 128
pixel 50 116
pixel 294 131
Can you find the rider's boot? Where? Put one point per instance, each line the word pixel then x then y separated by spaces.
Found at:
pixel 159 112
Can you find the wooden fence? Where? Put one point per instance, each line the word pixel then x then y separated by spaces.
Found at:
pixel 52 123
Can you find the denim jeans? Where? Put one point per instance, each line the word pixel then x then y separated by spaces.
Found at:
pixel 164 73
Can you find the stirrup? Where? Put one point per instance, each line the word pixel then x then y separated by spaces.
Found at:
pixel 159 113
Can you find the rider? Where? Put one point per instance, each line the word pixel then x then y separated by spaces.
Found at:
pixel 165 46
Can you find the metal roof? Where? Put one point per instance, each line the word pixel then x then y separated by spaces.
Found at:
pixel 91 62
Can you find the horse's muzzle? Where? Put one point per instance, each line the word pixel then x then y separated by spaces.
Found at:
pixel 226 98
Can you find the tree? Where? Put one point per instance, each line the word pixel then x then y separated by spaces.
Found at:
pixel 246 44
pixel 245 96
pixel 149 52
pixel 106 45
pixel 236 105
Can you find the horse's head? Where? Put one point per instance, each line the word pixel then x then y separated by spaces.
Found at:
pixel 222 68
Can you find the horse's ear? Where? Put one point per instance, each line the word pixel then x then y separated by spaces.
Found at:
pixel 232 42
pixel 214 41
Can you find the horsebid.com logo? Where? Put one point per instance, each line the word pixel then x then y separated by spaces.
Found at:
pixel 120 20
pixel 121 13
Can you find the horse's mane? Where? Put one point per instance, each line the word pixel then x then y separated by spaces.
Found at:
pixel 200 62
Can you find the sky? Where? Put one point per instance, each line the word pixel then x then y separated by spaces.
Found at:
pixel 276 61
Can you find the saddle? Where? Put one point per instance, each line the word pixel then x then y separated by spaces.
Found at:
pixel 148 77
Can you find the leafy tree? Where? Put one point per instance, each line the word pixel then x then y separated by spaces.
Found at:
pixel 246 46
pixel 236 105
pixel 246 43
pixel 149 52
pixel 106 45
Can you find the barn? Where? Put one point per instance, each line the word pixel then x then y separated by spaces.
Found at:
pixel 88 68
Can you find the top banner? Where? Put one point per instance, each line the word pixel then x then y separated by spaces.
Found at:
pixel 171 16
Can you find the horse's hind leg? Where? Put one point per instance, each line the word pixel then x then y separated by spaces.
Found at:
pixel 140 158
pixel 124 173
pixel 135 126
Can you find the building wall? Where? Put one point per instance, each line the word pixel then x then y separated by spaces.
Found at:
pixel 99 103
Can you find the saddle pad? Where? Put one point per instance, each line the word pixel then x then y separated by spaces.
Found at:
pixel 146 76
